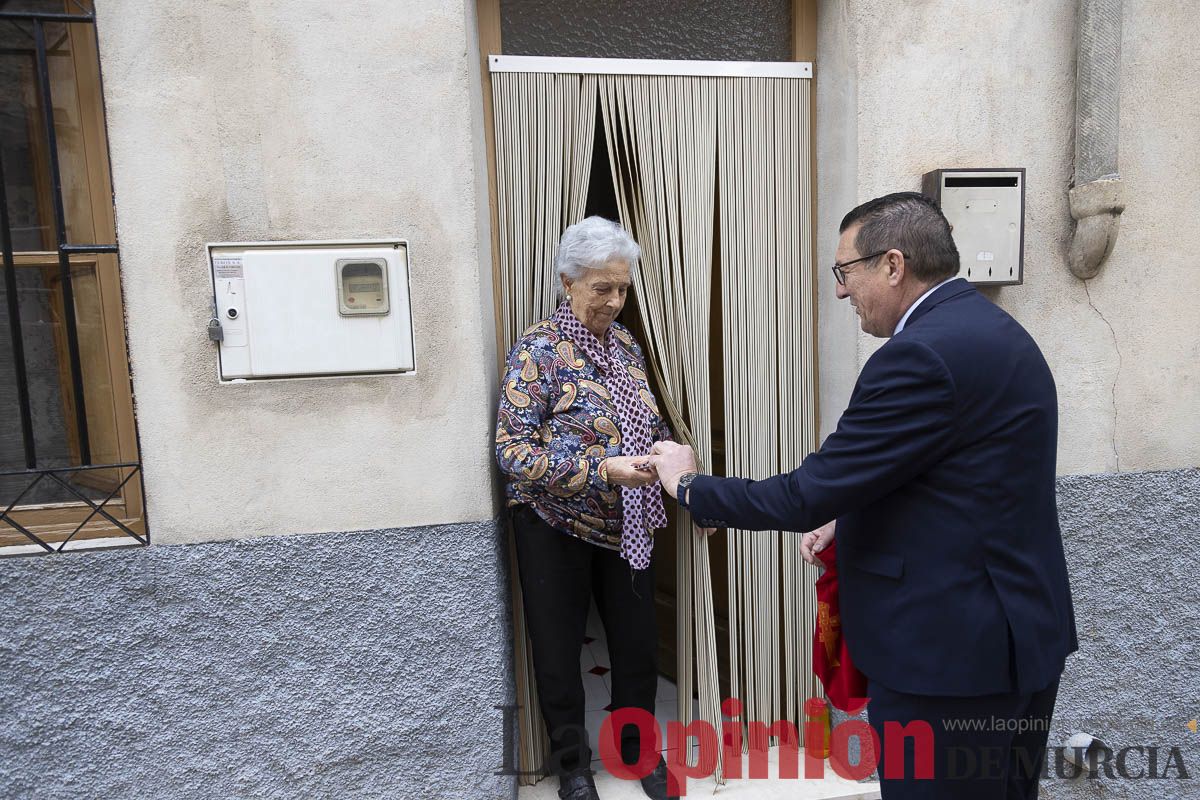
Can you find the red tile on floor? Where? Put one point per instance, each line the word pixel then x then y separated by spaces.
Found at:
pixel 588 640
pixel 598 670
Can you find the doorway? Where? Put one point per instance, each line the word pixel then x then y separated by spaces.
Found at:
pixel 708 164
pixel 602 201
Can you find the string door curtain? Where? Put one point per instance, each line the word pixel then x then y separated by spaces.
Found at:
pixel 661 134
pixel 693 157
pixel 712 176
pixel 768 338
pixel 545 125
pixel 545 129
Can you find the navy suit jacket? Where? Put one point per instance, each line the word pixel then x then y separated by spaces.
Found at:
pixel 941 477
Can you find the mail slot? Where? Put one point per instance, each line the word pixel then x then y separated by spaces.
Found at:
pixel 986 208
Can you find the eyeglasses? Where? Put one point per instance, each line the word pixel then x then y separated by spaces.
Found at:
pixel 839 270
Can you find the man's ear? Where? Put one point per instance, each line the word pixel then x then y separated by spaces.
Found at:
pixel 896 268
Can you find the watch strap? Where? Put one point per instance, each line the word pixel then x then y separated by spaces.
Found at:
pixel 681 490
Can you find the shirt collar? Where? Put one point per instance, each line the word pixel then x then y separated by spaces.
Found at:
pixel 599 351
pixel 917 302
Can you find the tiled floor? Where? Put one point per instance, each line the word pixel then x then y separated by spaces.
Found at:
pixel 597 683
pixel 829 788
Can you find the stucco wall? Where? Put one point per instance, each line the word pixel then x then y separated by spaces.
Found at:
pixel 274 120
pixel 904 88
pixel 918 86
pixel 836 81
pixel 364 665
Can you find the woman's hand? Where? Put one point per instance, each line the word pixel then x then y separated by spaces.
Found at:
pixel 624 471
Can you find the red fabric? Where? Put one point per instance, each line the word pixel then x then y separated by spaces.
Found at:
pixel 845 686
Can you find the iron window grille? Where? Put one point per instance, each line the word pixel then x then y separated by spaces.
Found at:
pixel 32 472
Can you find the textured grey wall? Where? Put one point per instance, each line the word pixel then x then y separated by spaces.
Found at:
pixel 368 664
pixel 716 30
pixel 1131 542
pixel 361 665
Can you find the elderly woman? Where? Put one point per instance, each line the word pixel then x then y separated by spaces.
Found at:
pixel 576 420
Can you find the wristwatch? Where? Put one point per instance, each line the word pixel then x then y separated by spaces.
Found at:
pixel 681 490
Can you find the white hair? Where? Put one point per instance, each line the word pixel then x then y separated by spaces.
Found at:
pixel 591 244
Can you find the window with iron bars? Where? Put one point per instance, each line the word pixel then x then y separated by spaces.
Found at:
pixel 70 471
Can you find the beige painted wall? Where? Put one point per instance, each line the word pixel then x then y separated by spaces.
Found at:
pixel 249 120
pixel 956 83
pixel 835 74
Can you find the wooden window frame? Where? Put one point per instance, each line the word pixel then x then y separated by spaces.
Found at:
pixel 108 396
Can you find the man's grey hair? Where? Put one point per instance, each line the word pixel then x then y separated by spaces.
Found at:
pixel 911 223
pixel 591 244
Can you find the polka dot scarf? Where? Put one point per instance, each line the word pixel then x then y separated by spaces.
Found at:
pixel 642 508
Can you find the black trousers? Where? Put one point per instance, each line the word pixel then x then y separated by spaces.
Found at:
pixel 559 576
pixel 984 748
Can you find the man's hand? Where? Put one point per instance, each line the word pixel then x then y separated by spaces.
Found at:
pixel 672 460
pixel 814 542
pixel 705 532
pixel 624 471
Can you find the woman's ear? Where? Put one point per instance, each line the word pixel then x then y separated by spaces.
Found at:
pixel 566 284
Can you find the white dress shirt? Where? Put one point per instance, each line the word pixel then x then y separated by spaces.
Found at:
pixel 917 302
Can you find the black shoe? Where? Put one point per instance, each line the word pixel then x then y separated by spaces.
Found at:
pixel 655 784
pixel 578 785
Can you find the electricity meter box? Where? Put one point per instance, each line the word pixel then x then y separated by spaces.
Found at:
pixel 311 309
pixel 986 208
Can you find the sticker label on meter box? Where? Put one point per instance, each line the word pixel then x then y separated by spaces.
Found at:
pixel 225 267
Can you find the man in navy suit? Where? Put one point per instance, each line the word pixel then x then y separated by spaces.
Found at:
pixel 940 482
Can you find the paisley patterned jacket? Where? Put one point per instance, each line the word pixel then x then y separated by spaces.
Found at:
pixel 557 421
